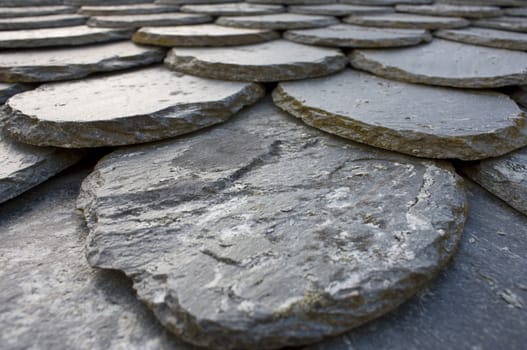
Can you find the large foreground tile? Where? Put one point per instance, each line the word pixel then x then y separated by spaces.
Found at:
pixel 418 120
pixel 272 61
pixel 41 65
pixel 133 107
pixel 202 35
pixel 67 36
pixel 263 232
pixel 346 35
pixel 447 63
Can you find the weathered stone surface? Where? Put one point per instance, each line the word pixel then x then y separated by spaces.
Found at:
pixel 347 35
pixel 202 35
pixel 516 24
pixel 386 2
pixel 477 302
pixel 443 62
pixel 281 21
pixel 272 61
pixel 339 9
pixel 8 90
pixel 67 36
pixel 407 118
pixel 451 10
pixel 486 37
pixel 403 20
pixel 134 107
pixel 484 2
pixel 23 167
pixel 105 2
pixel 50 298
pixel 519 11
pixel 233 9
pixel 207 233
pixel 35 22
pixel 293 2
pixel 17 3
pixel 156 19
pixel 12 12
pixel 41 65
pixel 193 2
pixel 505 177
pixel 126 9
pixel 520 96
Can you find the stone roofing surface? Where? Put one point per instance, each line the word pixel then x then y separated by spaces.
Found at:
pixel 263 174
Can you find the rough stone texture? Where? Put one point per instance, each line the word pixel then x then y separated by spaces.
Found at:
pixel 485 2
pixel 505 177
pixel 520 96
pixel 40 65
pixel 339 9
pixel 50 298
pixel 134 107
pixel 208 237
pixel 451 10
pixel 126 9
pixel 516 24
pixel 280 21
pixel 443 62
pixel 387 2
pixel 477 302
pixel 23 167
pixel 233 9
pixel 407 118
pixel 105 2
pixel 12 12
pixel 272 61
pixel 17 3
pixel 346 35
pixel 156 19
pixel 67 36
pixel 486 37
pixel 520 12
pixel 403 20
pixel 8 90
pixel 193 2
pixel 293 2
pixel 202 35
pixel 36 22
